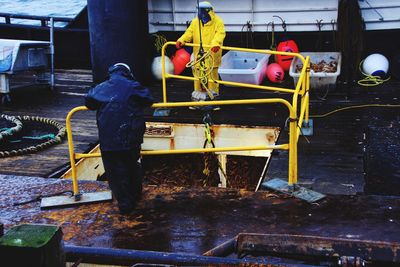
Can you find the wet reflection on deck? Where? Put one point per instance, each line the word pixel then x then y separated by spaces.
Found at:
pixel 177 219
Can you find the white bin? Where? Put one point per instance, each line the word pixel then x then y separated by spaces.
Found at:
pixel 318 79
pixel 243 67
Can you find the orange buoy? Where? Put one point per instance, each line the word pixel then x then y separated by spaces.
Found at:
pixel 180 59
pixel 286 46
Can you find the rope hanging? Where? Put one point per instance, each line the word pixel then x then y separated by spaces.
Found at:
pixel 159 41
pixel 210 158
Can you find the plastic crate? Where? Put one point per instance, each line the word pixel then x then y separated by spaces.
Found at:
pixel 243 67
pixel 318 79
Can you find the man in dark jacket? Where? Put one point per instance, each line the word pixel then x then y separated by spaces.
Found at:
pixel 119 102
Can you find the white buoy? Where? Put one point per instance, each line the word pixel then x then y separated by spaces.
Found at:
pixel 156 67
pixel 376 65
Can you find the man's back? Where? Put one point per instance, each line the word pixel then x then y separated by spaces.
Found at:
pixel 119 102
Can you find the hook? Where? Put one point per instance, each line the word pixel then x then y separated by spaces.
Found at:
pixel 207 119
pixel 283 22
pixel 333 22
pixel 319 24
pixel 269 23
pixel 272 25
pixel 273 45
pixel 249 26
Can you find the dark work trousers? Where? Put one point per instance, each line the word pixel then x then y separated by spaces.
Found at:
pixel 124 175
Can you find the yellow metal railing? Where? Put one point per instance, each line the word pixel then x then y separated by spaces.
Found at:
pixel 295 121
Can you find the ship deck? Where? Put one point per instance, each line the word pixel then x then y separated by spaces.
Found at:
pixel 330 161
pixel 197 219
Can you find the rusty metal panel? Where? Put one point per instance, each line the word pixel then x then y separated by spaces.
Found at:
pixel 316 246
pixel 186 136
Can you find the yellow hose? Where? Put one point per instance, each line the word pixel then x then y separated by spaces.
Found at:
pixel 354 107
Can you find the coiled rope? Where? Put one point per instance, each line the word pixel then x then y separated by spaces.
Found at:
pixel 203 71
pixel 8 132
pixel 31 149
pixel 370 80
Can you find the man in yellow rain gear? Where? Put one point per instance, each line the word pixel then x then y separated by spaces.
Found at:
pixel 206 29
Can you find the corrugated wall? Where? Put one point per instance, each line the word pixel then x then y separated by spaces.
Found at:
pixel 173 15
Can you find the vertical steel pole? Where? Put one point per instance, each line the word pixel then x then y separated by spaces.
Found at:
pixel 307 87
pixel 52 53
pixel 292 151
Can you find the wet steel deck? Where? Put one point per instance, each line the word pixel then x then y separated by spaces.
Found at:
pixel 177 219
pixel 197 219
pixel 331 163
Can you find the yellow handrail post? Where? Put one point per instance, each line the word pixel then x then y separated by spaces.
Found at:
pixel 303 100
pixel 307 64
pixel 72 150
pixel 292 179
pixel 295 122
pixel 164 82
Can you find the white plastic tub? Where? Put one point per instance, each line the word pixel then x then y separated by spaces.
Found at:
pixel 243 67
pixel 318 79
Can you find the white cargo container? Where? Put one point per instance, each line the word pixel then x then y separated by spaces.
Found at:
pixel 243 67
pixel 318 79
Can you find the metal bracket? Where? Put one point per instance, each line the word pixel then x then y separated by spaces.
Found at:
pixel 295 190
pixel 162 112
pixel 307 128
pixel 62 201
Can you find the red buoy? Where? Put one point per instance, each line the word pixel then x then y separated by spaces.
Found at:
pixel 180 59
pixel 275 73
pixel 286 46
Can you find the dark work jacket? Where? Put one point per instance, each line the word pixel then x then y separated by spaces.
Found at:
pixel 119 102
